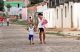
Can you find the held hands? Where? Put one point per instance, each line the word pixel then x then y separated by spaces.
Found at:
pixel 35 28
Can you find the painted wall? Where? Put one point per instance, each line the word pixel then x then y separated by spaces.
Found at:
pixel 41 8
pixel 60 17
pixel 49 14
pixel 14 4
pixel 24 13
pixel 14 11
pixel 76 15
pixel 66 16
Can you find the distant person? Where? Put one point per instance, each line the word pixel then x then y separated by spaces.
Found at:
pixel 41 26
pixel 7 21
pixel 1 20
pixel 20 13
pixel 29 21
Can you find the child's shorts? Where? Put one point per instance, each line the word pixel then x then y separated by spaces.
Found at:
pixel 30 37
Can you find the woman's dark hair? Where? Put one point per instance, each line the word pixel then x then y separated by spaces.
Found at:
pixel 40 14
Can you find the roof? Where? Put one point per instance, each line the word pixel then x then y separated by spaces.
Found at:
pixel 32 8
pixel 35 6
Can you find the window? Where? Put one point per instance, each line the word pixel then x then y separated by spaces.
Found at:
pixel 61 13
pixel 71 17
pixel 62 17
pixel 71 11
pixel 57 13
pixel 51 3
pixel 65 12
pixel 57 2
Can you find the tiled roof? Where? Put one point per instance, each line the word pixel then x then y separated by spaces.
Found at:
pixel 32 8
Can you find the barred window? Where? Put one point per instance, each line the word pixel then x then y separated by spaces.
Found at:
pixel 57 13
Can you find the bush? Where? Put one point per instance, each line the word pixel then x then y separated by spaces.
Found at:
pixel 1 5
pixel 19 22
pixel 8 6
pixel 33 2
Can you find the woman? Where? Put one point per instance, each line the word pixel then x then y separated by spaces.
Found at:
pixel 41 26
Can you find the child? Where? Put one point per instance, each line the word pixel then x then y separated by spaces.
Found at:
pixel 31 33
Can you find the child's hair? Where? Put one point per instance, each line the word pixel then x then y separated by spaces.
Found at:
pixel 29 17
pixel 40 14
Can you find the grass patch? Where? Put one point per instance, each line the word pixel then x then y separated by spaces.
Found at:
pixel 55 33
pixel 15 21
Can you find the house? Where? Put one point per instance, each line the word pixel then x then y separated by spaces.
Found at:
pixel 16 7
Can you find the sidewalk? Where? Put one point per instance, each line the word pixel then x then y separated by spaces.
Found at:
pixel 3 24
pixel 65 32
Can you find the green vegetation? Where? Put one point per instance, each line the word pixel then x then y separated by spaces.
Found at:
pixel 1 5
pixel 55 33
pixel 33 2
pixel 14 4
pixel 15 21
pixel 18 22
pixel 36 1
pixel 5 15
pixel 8 6
pixel 30 5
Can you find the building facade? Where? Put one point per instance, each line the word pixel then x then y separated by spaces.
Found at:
pixel 63 14
pixel 54 3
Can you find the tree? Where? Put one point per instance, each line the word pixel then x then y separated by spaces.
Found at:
pixel 1 5
pixel 33 2
pixel 8 6
pixel 36 1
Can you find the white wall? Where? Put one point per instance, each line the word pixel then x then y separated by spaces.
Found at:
pixel 41 8
pixel 76 15
pixel 14 11
pixel 63 21
pixel 49 14
pixel 66 17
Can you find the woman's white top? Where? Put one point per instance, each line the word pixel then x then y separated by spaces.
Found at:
pixel 40 24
